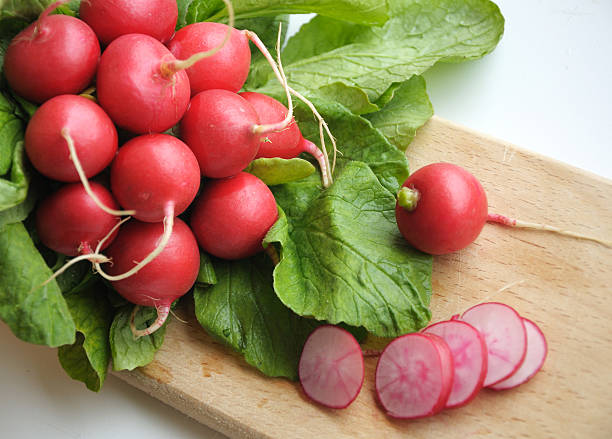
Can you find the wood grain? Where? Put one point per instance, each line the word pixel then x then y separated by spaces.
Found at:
pixel 561 283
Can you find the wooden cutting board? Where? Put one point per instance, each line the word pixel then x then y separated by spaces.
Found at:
pixel 563 284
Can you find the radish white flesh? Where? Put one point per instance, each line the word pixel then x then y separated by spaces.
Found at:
pixel 505 336
pixel 537 349
pixel 414 376
pixel 331 367
pixel 469 353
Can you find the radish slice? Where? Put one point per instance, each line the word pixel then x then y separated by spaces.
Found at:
pixel 469 353
pixel 414 376
pixel 537 349
pixel 331 367
pixel 505 336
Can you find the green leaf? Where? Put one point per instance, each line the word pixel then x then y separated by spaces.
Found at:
pixel 353 98
pixel 342 259
pixel 418 34
pixel 407 109
pixel 11 132
pixel 129 353
pixel 206 275
pixel 20 212
pixel 87 358
pixel 14 190
pixel 37 315
pixel 273 171
pixel 243 311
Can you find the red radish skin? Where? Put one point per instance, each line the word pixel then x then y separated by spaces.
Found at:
pixel 219 128
pixel 70 222
pixel 57 54
pixel 447 211
pixel 414 376
pixel 92 131
pixel 169 276
pixel 331 367
pixel 151 173
pixel 231 216
pixel 505 337
pixel 537 349
pixel 227 69
pixel 135 90
pixel 469 353
pixel 112 18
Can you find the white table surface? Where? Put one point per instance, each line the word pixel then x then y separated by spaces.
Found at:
pixel 546 88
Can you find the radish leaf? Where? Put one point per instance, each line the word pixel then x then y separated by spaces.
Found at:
pixel 273 171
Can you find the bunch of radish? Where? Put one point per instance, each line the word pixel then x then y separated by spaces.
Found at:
pixel 419 374
pixel 148 80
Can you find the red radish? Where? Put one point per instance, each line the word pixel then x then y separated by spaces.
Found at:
pixel 153 174
pixel 91 130
pixel 231 216
pixel 137 88
pixel 227 69
pixel 169 276
pixel 441 208
pixel 469 353
pixel 287 143
pixel 537 349
pixel 331 367
pixel 112 18
pixel 71 223
pixel 505 337
pixel 414 376
pixel 57 54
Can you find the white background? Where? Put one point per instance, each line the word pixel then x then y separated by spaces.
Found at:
pixel 545 88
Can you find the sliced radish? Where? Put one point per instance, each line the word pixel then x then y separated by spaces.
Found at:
pixel 537 348
pixel 331 367
pixel 414 376
pixel 469 353
pixel 505 336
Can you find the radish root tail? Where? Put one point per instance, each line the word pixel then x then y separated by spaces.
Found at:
pixel 162 315
pixel 510 222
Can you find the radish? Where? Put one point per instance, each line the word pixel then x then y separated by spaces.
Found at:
pixel 112 18
pixel 331 367
pixel 441 208
pixel 537 349
pixel 505 337
pixel 169 276
pixel 70 222
pixel 227 69
pixel 287 143
pixel 92 132
pixel 414 376
pixel 469 353
pixel 57 54
pixel 231 216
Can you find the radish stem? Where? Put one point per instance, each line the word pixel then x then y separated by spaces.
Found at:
pixel 408 198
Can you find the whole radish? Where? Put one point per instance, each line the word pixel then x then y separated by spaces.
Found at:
pixel 231 216
pixel 169 276
pixel 137 87
pixel 57 54
pixel 71 223
pixel 441 208
pixel 288 142
pixel 91 130
pixel 112 18
pixel 227 69
pixel 331 367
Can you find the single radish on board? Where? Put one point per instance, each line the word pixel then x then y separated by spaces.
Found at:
pixel 537 348
pixel 163 280
pixel 331 367
pixel 231 216
pixel 414 376
pixel 287 143
pixel 112 18
pixel 441 208
pixel 91 130
pixel 505 337
pixel 57 54
pixel 469 353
